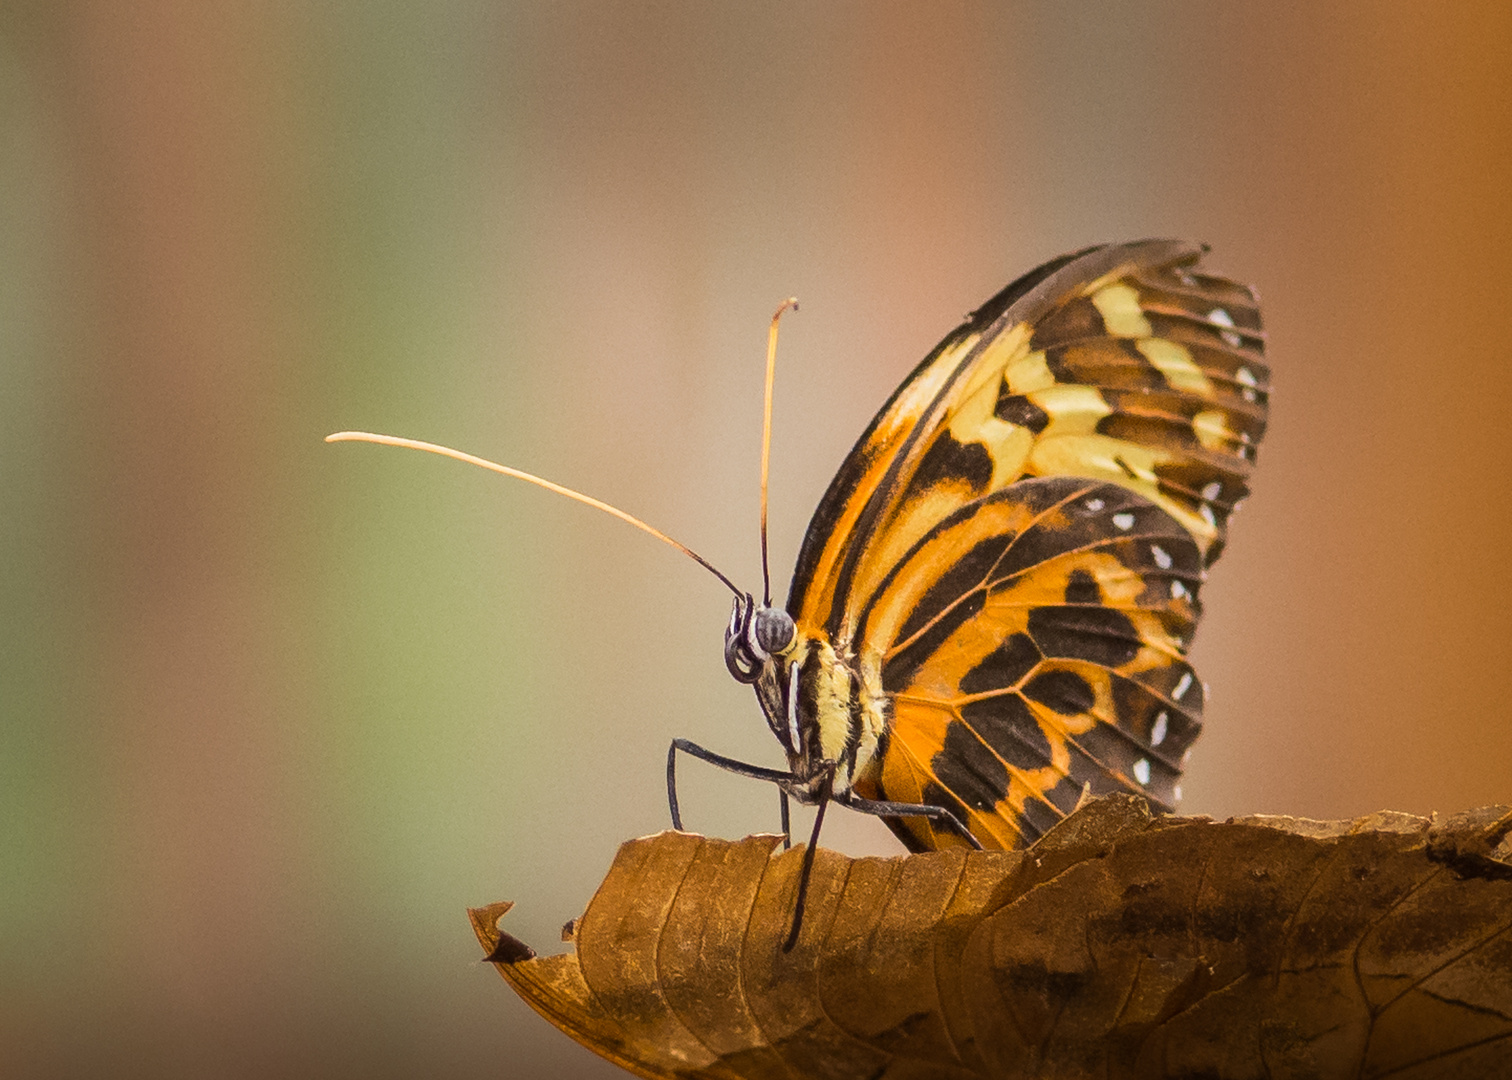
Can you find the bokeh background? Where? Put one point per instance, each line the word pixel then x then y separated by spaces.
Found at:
pixel 273 712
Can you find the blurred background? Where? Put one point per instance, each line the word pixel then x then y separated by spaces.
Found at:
pixel 272 713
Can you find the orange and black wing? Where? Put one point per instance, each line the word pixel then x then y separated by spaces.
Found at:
pixel 1036 646
pixel 1126 369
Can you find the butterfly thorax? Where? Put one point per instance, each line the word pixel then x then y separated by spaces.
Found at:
pixel 813 696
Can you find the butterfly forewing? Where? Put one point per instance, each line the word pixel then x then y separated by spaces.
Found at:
pixel 1011 555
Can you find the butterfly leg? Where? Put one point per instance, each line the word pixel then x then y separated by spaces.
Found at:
pixel 937 814
pixel 808 866
pixel 781 779
pixel 740 768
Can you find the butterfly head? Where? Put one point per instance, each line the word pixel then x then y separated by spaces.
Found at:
pixel 760 644
pixel 793 675
pixel 755 636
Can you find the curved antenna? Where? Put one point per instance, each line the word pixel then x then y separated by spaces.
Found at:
pixel 766 443
pixel 518 474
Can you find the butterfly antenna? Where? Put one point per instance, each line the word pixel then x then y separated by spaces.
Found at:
pixel 766 443
pixel 518 474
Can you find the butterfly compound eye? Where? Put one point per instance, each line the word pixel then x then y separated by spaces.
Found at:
pixel 774 630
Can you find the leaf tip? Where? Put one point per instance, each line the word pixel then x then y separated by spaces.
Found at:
pixel 499 947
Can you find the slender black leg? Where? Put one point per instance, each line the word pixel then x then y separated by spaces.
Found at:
pixel 787 828
pixel 937 814
pixel 672 787
pixel 803 875
pixel 740 768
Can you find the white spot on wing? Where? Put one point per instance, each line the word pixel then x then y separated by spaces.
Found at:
pixel 1162 557
pixel 1247 378
pixel 1223 318
pixel 1095 505
pixel 1182 687
pixel 1213 490
pixel 1206 512
pixel 1178 590
pixel 1158 732
pixel 1123 522
pixel 1142 770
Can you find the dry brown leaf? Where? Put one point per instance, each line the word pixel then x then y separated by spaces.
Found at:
pixel 1118 946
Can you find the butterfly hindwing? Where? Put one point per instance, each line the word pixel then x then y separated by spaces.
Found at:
pixel 1011 554
pixel 1037 647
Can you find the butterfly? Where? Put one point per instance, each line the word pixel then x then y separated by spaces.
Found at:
pixel 994 600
